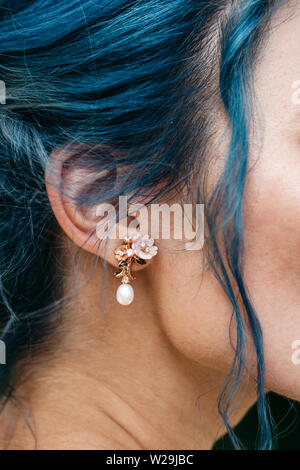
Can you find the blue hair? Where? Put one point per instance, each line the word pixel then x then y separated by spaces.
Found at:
pixel 134 80
pixel 240 42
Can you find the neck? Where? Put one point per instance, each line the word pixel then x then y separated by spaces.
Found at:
pixel 116 382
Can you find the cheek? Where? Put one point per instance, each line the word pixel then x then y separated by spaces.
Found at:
pixel 272 262
pixel 272 226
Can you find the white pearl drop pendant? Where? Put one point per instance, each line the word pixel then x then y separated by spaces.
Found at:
pixel 138 249
pixel 125 294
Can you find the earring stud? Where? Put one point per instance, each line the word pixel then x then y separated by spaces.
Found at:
pixel 137 249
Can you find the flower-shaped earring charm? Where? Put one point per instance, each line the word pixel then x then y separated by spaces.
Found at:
pixel 136 249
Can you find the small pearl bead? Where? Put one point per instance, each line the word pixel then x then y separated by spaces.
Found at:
pixel 125 294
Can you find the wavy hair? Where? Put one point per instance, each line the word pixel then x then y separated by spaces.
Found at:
pixel 145 78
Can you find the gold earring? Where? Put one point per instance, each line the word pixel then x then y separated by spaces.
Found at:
pixel 136 249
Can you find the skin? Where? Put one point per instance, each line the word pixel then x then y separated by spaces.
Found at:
pixel 148 376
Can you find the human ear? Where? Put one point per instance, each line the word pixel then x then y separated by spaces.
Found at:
pixel 94 226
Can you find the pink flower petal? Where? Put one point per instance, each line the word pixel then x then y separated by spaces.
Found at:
pixel 144 255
